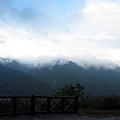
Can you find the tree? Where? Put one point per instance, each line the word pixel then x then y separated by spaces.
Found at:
pixel 74 90
pixel 70 90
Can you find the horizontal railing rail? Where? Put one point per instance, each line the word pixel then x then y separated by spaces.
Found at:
pixel 15 105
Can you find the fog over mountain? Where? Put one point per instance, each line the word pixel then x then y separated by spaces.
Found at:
pixel 84 61
pixel 97 79
pixel 63 41
pixel 86 30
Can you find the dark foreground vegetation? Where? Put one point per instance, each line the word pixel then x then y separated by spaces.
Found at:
pixel 111 102
pixel 69 99
pixel 92 106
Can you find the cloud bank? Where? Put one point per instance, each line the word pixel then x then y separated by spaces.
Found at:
pixel 74 29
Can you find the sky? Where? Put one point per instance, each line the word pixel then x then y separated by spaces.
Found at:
pixel 72 29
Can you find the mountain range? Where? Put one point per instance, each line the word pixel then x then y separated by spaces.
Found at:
pixel 17 78
pixel 14 82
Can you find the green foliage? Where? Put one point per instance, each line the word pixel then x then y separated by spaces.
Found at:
pixel 91 103
pixel 70 90
pixel 74 90
pixel 111 102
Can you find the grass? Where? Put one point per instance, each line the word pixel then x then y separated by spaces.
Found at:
pixel 99 113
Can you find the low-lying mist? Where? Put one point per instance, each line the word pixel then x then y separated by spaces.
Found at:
pixel 83 61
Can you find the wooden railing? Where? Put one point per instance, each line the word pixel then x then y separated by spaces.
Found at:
pixel 16 105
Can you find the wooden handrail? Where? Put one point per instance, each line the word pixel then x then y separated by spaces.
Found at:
pixel 49 101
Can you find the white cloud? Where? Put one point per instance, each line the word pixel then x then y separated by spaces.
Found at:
pixel 102 36
pixel 92 30
pixel 102 16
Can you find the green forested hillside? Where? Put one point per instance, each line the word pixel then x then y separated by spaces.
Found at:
pixel 14 82
pixel 97 82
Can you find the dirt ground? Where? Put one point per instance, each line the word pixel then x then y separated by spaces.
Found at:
pixel 57 117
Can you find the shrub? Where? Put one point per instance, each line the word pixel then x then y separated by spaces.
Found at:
pixel 111 102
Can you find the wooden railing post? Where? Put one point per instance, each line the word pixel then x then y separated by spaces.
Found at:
pixel 14 112
pixel 32 112
pixel 76 104
pixel 48 104
pixel 63 105
pixel 52 106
